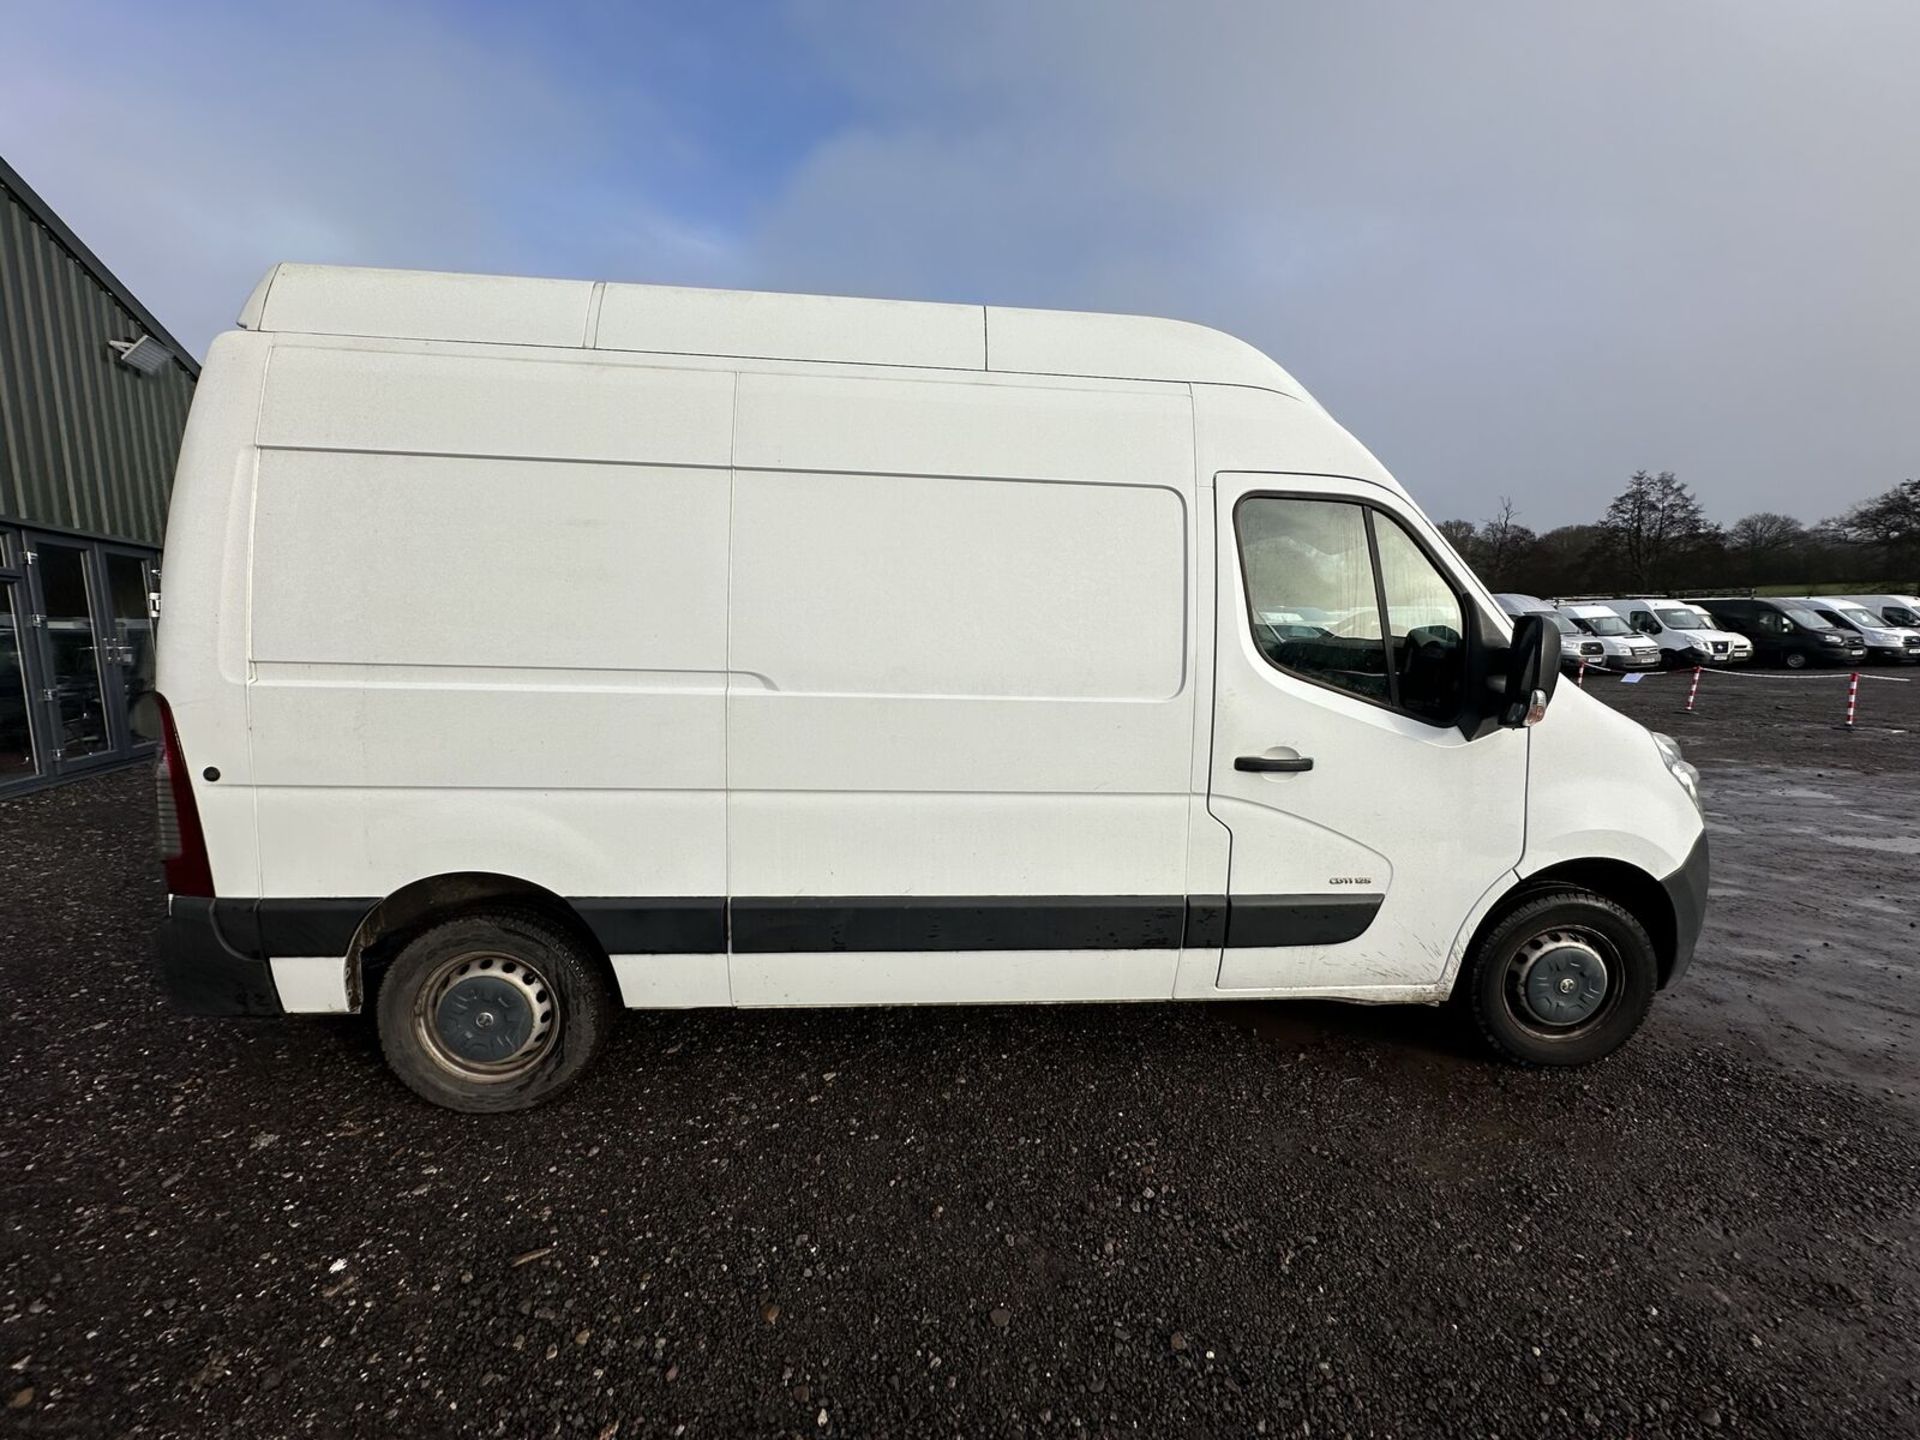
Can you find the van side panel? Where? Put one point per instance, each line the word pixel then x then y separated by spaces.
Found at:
pixel 488 623
pixel 961 656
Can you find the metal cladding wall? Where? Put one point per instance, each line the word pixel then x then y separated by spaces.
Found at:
pixel 86 443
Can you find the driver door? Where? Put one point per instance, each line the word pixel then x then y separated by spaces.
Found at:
pixel 1366 828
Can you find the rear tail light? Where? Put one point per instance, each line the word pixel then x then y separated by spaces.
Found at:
pixel 183 845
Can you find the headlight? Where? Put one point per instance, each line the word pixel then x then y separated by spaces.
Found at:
pixel 1688 777
pixel 1832 640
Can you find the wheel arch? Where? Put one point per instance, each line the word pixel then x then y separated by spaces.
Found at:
pixel 1627 885
pixel 415 906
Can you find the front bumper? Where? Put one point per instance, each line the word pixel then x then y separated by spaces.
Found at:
pixel 1635 660
pixel 1687 891
pixel 202 970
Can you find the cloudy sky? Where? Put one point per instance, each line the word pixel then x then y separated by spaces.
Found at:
pixel 1520 248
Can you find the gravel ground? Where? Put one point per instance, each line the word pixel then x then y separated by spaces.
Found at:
pixel 1235 1219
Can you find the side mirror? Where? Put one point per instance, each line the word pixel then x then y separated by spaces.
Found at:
pixel 1531 672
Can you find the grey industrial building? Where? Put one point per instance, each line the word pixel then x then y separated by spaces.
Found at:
pixel 93 398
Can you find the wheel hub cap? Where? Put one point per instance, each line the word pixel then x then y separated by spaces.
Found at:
pixel 487 1017
pixel 1563 979
pixel 484 1019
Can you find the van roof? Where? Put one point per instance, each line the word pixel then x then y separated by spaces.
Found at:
pixel 747 324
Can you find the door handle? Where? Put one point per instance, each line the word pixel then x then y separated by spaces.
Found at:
pixel 1291 764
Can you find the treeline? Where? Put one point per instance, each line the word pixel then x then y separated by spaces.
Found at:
pixel 1655 539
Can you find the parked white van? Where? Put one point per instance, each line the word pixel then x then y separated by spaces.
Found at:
pixel 1621 649
pixel 1576 649
pixel 1902 611
pixel 1888 644
pixel 1686 636
pixel 534 646
pixel 1742 651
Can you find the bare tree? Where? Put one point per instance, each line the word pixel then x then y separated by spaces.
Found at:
pixel 1762 540
pixel 1652 525
pixel 1464 536
pixel 1504 541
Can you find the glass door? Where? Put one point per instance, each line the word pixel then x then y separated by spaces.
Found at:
pixel 17 759
pixel 129 654
pixel 82 729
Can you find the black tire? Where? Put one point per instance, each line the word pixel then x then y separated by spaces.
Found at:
pixel 1794 660
pixel 498 979
pixel 1569 930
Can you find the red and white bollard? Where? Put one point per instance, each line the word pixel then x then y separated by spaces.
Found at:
pixel 1581 678
pixel 1693 689
pixel 1853 697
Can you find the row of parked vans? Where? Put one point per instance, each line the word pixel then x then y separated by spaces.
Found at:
pixel 1792 631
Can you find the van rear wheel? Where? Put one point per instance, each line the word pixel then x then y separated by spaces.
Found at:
pixel 492 1012
pixel 1564 978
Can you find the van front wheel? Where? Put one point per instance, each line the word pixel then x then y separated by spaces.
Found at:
pixel 1562 979
pixel 492 1012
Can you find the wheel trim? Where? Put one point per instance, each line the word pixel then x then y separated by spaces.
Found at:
pixel 1563 982
pixel 487 1017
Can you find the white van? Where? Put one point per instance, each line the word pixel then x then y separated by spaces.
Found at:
pixel 1888 644
pixel 1900 611
pixel 1686 635
pixel 1620 648
pixel 532 647
pixel 1741 652
pixel 1576 649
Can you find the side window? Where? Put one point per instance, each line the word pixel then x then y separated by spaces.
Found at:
pixel 1424 624
pixel 1314 597
pixel 1643 622
pixel 1310 592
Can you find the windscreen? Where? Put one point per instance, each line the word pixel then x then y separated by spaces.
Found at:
pixel 1602 624
pixel 1681 619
